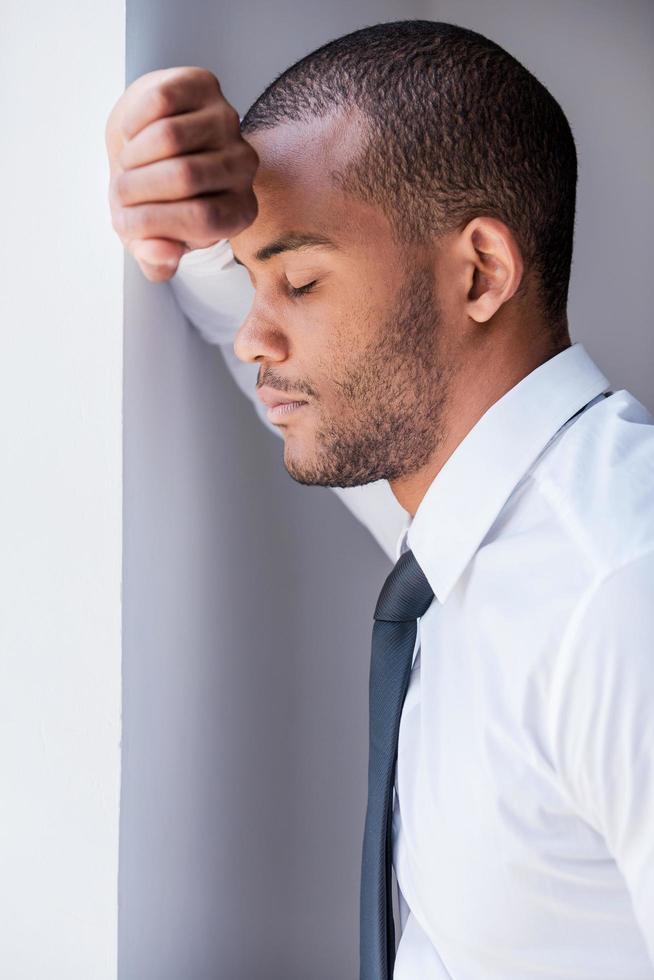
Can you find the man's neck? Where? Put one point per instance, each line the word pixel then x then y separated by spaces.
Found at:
pixel 471 396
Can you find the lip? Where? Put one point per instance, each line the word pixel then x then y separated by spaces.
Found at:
pixel 277 413
pixel 272 398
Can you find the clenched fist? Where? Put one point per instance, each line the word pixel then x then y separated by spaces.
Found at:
pixel 181 173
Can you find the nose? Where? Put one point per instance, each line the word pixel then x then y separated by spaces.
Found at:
pixel 258 338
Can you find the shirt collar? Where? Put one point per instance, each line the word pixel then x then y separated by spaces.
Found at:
pixel 470 490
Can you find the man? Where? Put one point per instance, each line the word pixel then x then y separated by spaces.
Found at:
pixel 403 202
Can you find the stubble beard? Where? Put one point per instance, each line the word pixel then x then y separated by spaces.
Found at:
pixel 393 393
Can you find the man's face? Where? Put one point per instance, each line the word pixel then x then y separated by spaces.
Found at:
pixel 364 346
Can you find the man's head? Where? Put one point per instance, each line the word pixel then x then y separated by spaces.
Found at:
pixel 436 179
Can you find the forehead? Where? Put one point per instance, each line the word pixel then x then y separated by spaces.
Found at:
pixel 296 190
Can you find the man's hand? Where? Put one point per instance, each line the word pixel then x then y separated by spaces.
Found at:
pixel 181 173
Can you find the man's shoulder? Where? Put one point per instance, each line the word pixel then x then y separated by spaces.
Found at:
pixel 598 479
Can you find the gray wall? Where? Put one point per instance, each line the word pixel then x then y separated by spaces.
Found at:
pixel 247 597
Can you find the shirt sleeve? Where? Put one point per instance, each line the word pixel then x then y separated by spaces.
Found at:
pixel 215 293
pixel 603 723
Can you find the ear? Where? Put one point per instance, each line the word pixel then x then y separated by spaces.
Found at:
pixel 493 266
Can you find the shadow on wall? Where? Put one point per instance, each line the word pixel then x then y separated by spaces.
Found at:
pixel 247 615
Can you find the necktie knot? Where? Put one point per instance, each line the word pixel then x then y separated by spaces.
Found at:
pixel 406 593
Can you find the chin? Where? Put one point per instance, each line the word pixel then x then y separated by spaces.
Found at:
pixel 301 465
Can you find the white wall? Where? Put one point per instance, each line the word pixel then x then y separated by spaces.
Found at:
pixel 61 68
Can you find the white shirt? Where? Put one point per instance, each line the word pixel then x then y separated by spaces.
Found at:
pixel 523 821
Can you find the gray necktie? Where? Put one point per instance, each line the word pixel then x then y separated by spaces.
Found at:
pixel 406 594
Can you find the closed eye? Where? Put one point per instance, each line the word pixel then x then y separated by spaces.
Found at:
pixel 301 290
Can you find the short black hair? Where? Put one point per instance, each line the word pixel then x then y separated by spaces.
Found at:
pixel 457 128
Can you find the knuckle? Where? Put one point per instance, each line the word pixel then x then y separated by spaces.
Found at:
pixel 245 214
pixel 213 214
pixel 162 97
pixel 246 163
pixel 195 215
pixel 186 175
pixel 238 212
pixel 229 118
pixel 222 214
pixel 215 130
pixel 211 81
pixel 120 187
pixel 240 178
pixel 169 136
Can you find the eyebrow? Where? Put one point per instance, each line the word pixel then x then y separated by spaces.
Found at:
pixel 290 243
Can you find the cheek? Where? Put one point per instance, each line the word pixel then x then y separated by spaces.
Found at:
pixel 326 370
pixel 337 348
pixel 329 374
